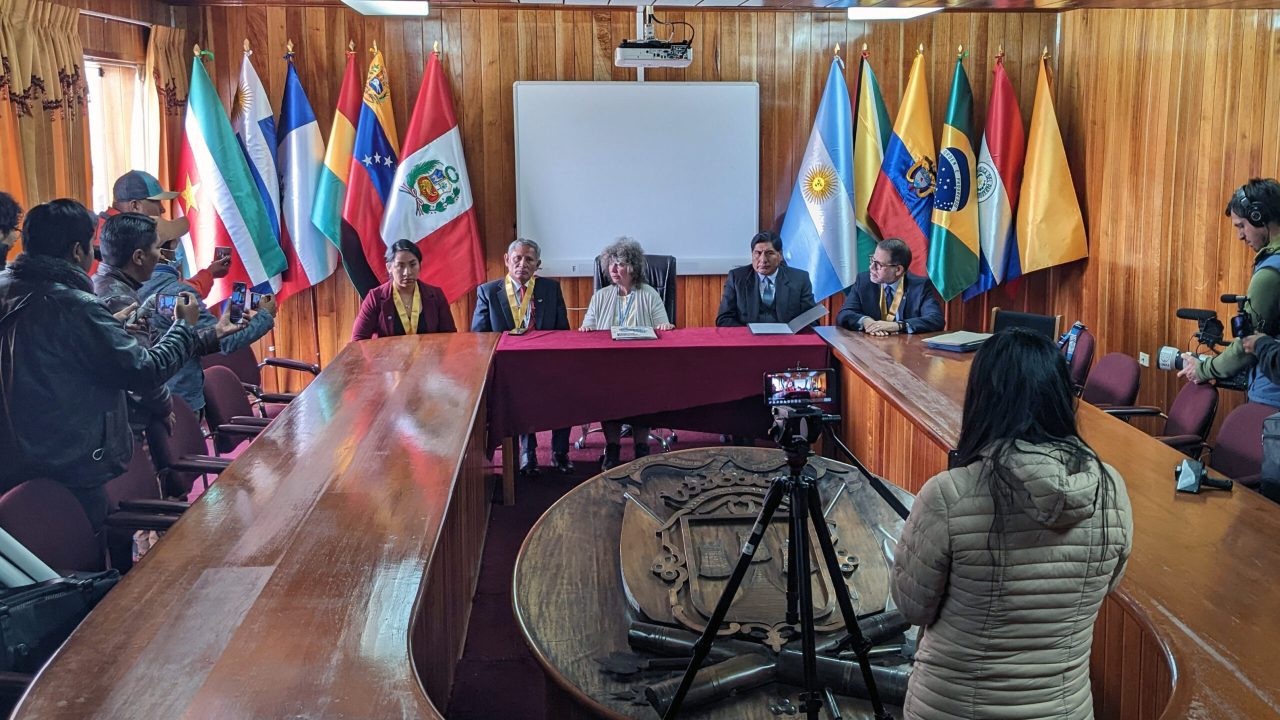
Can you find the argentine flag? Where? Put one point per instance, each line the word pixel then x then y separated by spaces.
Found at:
pixel 819 234
pixel 254 123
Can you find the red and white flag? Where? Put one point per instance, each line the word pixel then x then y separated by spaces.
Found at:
pixel 430 202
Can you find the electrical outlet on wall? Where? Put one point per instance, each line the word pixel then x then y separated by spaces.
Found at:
pixel 1144 359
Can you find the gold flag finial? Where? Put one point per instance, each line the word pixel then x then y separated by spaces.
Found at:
pixel 288 46
pixel 435 47
pixel 246 46
pixel 1044 55
pixel 374 49
pixel 837 49
pixel 960 51
pixel 195 50
pixel 351 46
pixel 920 50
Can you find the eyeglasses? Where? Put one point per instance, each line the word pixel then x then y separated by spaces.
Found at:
pixel 876 264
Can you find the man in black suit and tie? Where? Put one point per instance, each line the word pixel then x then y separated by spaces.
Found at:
pixel 766 290
pixel 520 302
pixel 887 299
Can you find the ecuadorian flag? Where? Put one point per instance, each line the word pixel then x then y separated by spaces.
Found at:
pixel 819 233
pixel 953 242
pixel 902 202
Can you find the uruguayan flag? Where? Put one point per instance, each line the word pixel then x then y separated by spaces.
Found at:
pixel 819 234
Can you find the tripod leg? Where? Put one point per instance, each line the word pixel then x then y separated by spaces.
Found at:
pixel 860 643
pixel 771 501
pixel 794 538
pixel 801 571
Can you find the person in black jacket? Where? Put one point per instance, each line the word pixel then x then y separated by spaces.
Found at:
pixel 10 215
pixel 66 362
pixel 766 291
pixel 519 301
pixel 888 300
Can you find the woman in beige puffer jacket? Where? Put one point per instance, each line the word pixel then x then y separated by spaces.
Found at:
pixel 1005 559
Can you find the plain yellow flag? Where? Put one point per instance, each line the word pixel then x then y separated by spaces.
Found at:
pixel 1050 226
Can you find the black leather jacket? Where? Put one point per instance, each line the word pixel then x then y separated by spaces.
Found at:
pixel 65 364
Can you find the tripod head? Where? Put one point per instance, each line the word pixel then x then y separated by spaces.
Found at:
pixel 795 429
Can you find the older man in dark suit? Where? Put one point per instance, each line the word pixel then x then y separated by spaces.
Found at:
pixel 887 299
pixel 766 290
pixel 516 303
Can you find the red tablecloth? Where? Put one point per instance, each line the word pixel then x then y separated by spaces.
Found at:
pixel 694 379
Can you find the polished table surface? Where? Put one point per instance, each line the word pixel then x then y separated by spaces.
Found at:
pixel 550 379
pixel 297 586
pixel 1205 569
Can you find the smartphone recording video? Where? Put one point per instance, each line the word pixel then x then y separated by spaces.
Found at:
pixel 165 305
pixel 221 253
pixel 235 305
pixel 798 387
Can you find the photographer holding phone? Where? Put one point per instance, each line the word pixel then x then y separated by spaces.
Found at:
pixel 68 362
pixel 188 383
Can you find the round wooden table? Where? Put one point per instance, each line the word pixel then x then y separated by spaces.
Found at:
pixel 569 595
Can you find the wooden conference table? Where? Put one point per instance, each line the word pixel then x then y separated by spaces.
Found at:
pixel 327 573
pixel 1193 630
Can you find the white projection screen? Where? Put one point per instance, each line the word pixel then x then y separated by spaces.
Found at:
pixel 674 165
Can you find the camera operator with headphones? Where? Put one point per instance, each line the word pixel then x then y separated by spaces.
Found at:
pixel 1254 210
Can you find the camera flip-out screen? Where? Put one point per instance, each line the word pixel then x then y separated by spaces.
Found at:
pixel 798 387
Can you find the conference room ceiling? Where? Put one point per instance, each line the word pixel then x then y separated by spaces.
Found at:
pixel 961 5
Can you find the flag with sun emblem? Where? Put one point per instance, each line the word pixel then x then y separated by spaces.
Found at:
pixel 819 234
pixel 953 241
pixel 902 202
pixel 219 196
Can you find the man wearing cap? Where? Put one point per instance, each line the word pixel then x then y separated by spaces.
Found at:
pixel 139 192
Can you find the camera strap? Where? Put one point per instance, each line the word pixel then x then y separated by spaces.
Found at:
pixel 1067 343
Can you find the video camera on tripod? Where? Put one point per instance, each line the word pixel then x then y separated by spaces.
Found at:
pixel 797 398
pixel 1210 333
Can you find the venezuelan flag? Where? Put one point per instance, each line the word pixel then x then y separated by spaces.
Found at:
pixel 374 159
pixel 902 201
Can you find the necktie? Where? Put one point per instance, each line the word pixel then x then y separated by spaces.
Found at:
pixel 520 301
pixel 767 294
pixel 888 302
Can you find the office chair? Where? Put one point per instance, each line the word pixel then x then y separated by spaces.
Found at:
pixel 1186 426
pixel 1082 360
pixel 227 410
pixel 247 368
pixel 181 454
pixel 1113 382
pixel 1049 325
pixel 1238 450
pixel 660 274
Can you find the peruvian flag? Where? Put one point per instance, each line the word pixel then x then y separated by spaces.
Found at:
pixel 218 195
pixel 431 202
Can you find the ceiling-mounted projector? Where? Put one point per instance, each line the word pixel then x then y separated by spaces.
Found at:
pixel 653 53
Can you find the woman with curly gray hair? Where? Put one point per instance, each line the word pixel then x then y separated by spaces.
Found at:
pixel 626 302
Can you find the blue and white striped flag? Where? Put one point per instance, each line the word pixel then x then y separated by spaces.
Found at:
pixel 819 234
pixel 312 257
pixel 254 123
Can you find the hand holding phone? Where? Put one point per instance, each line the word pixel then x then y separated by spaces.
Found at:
pixel 165 304
pixel 187 308
pixel 235 305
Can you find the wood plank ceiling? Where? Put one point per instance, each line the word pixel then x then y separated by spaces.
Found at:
pixel 961 5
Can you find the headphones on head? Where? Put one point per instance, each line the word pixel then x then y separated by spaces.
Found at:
pixel 1254 212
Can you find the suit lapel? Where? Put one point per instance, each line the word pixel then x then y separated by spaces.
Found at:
pixel 500 299
pixel 752 301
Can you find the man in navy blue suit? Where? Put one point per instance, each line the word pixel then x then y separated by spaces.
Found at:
pixel 887 299
pixel 766 290
pixel 520 302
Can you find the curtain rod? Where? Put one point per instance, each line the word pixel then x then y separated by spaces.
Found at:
pixel 120 19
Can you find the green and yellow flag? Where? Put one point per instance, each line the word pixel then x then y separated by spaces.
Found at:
pixel 871 134
pixel 953 240
pixel 1050 225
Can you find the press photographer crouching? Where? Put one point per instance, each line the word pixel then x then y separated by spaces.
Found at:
pixel 1254 210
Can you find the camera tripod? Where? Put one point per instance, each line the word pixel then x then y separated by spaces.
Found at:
pixel 805 509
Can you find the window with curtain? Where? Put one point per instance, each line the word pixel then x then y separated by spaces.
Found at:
pixel 117 134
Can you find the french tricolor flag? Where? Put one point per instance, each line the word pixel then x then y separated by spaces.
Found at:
pixel 430 199
pixel 1004 145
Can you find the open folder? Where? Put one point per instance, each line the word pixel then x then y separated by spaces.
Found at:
pixel 802 321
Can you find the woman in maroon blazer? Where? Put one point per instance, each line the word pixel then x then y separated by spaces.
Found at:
pixel 403 301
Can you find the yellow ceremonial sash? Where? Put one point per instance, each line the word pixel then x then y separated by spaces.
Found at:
pixel 891 313
pixel 409 316
pixel 519 309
